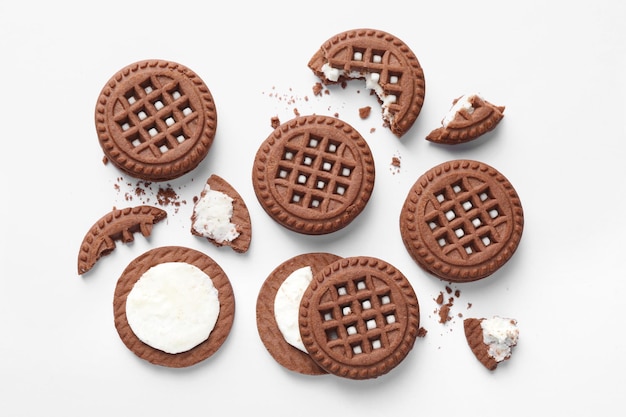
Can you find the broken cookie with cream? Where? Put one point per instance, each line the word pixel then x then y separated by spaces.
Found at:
pixel 491 340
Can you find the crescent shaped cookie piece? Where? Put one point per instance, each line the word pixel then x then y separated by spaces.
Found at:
pixel 221 216
pixel 387 65
pixel 491 339
pixel 469 117
pixel 117 225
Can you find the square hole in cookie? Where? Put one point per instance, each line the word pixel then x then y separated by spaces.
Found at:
pixel 125 124
pixel 158 103
pixel 331 334
pixel 390 318
pixel 351 329
pixel 377 56
pixel 327 315
pixel 327 165
pixel 477 222
pixel 450 215
pixel 370 324
pixel 316 202
pixel 289 154
pixel 376 344
pixel 321 183
pixel 457 187
pixel 394 77
pixel 341 189
pixel 314 141
pixel 163 146
pixel 169 121
pixel 467 205
pixel 375 77
pixel 442 241
pixel 385 299
pixel 302 178
pixel 341 290
pixel 346 310
pixel 142 115
pixel 296 198
pixel 357 349
pixel 433 223
pixel 135 140
pixel 361 285
pixel 308 160
pixel 459 232
pixel 131 98
pixel 345 171
pixel 440 196
pixel 175 93
pixel 332 146
pixel 152 130
pixel 179 135
pixel 283 173
pixel 494 212
pixel 358 53
pixel 187 111
pixel 486 240
pixel 366 304
pixel 470 249
pixel 484 196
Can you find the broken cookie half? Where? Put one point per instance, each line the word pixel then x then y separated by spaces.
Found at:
pixel 387 65
pixel 491 340
pixel 221 216
pixel 469 117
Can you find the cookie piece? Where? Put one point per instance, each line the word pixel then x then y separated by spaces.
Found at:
pixel 289 355
pixel 117 225
pixel 470 117
pixel 387 65
pixel 174 290
pixel 359 317
pixel 155 120
pixel 314 174
pixel 461 220
pixel 221 216
pixel 491 340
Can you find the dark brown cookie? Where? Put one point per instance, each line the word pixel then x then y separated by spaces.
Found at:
pixel 470 117
pixel 117 225
pixel 240 218
pixel 388 66
pixel 314 174
pixel 137 268
pixel 490 357
pixel 155 120
pixel 359 318
pixel 461 220
pixel 284 353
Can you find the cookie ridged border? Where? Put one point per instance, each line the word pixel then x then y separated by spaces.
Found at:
pixel 354 371
pixel 262 183
pixel 422 254
pixel 398 127
pixel 137 268
pixel 188 161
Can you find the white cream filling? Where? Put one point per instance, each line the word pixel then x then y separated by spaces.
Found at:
pixel 463 103
pixel 173 307
pixel 212 214
pixel 500 334
pixel 371 81
pixel 287 305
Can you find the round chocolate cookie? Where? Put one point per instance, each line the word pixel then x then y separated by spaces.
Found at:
pixel 281 350
pixel 314 174
pixel 359 317
pixel 155 120
pixel 388 66
pixel 139 268
pixel 461 220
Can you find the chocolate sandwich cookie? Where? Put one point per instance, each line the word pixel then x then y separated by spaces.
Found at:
pixel 117 225
pixel 221 216
pixel 470 117
pixel 314 174
pixel 276 313
pixel 173 306
pixel 461 220
pixel 155 120
pixel 359 317
pixel 387 65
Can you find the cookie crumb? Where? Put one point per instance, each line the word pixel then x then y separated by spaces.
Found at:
pixel 275 122
pixel 105 160
pixel 364 112
pixel 296 112
pixel 317 89
pixel 421 332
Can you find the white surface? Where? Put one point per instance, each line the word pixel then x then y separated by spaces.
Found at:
pixel 559 68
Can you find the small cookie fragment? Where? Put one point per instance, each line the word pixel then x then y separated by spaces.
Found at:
pixel 314 174
pixel 359 318
pixel 364 112
pixel 117 225
pixel 387 65
pixel 461 220
pixel 221 216
pixel 155 120
pixel 469 117
pixel 173 306
pixel 491 340
pixel 275 316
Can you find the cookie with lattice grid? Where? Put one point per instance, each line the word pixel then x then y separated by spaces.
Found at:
pixel 137 268
pixel 269 331
pixel 155 120
pixel 470 117
pixel 116 225
pixel 462 220
pixel 388 66
pixel 359 317
pixel 314 174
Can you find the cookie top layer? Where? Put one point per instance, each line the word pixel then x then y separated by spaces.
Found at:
pixel 359 318
pixel 156 120
pixel 314 174
pixel 461 220
pixel 388 66
pixel 136 269
pixel 117 225
pixel 284 353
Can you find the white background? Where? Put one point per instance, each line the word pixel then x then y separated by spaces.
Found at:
pixel 559 68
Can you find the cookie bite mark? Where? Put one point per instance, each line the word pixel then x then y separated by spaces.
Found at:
pixel 221 216
pixel 388 66
pixel 469 117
